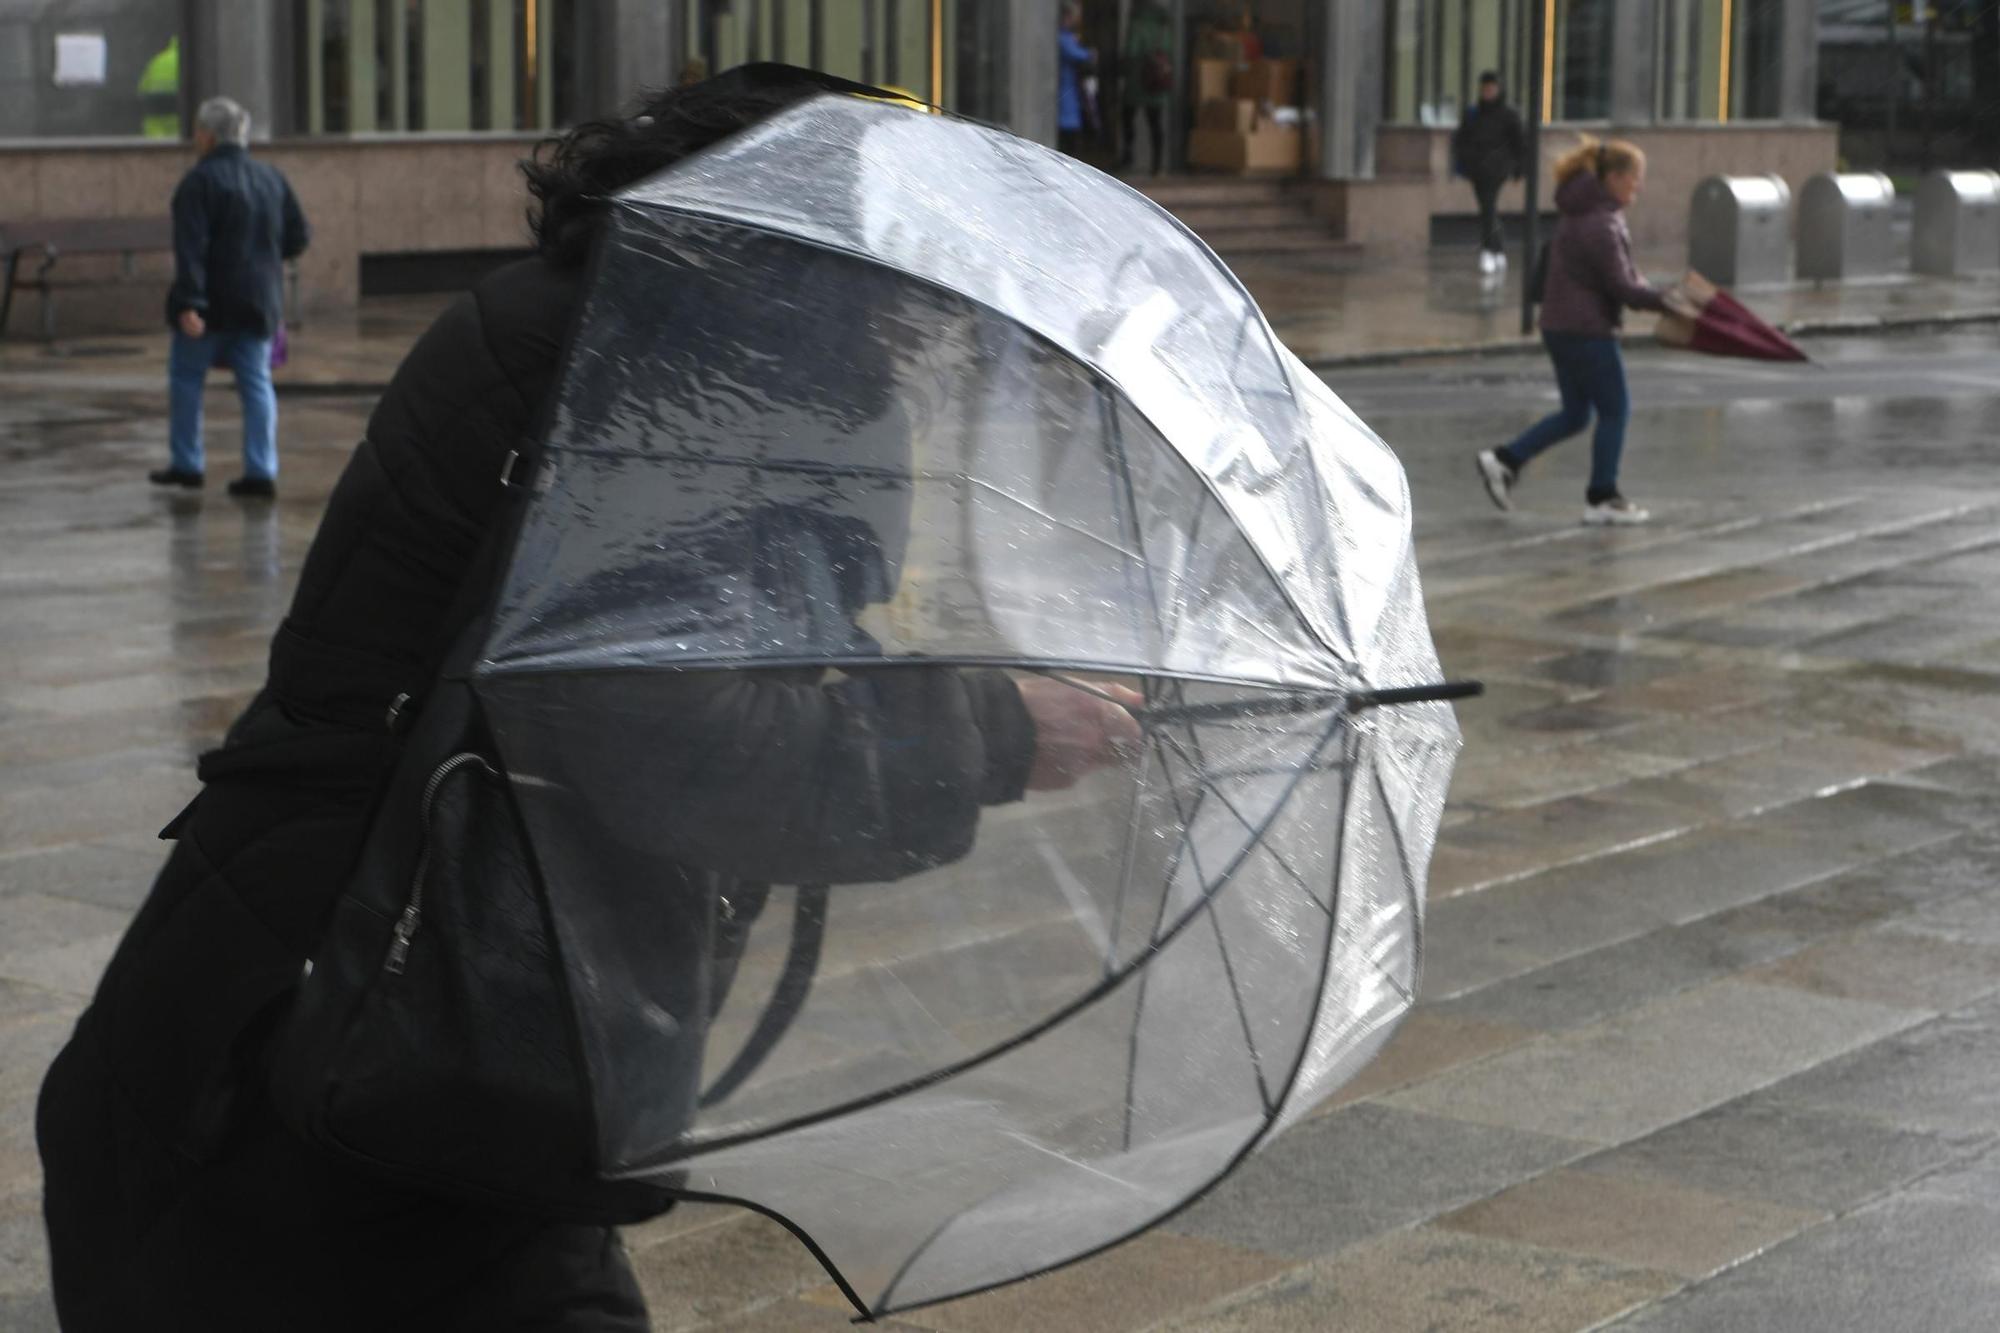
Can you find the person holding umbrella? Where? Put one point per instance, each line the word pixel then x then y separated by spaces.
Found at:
pixel 1590 281
pixel 1488 149
pixel 175 1194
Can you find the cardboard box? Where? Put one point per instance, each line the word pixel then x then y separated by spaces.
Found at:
pixel 1211 80
pixel 1273 81
pixel 1266 148
pixel 1235 115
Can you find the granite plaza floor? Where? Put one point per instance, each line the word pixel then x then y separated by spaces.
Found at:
pixel 1710 1035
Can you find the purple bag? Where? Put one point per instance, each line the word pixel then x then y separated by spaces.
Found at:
pixel 281 350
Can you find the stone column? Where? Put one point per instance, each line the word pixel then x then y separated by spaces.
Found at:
pixel 638 48
pixel 1798 62
pixel 1634 61
pixel 1348 98
pixel 1031 68
pixel 233 49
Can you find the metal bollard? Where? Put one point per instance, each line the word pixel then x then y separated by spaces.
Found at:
pixel 1957 226
pixel 1844 225
pixel 1740 230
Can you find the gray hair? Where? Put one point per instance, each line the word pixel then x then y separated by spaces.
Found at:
pixel 225 119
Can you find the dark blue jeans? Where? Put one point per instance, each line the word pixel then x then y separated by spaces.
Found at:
pixel 1590 374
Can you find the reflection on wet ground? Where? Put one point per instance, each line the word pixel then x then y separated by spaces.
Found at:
pixel 1711 1032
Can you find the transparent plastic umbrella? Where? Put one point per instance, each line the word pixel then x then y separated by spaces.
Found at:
pixel 871 416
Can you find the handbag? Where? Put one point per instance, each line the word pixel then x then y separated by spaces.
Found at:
pixel 430 1040
pixel 434 1038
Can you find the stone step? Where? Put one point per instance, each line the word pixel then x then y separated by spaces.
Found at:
pixel 1215 191
pixel 1304 238
pixel 1204 218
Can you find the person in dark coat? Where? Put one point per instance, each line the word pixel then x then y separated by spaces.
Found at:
pixel 174 1197
pixel 1591 280
pixel 1489 148
pixel 236 222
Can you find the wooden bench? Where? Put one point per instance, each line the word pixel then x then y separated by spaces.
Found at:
pixel 53 238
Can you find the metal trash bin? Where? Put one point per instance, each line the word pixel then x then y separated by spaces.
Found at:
pixel 1844 225
pixel 1740 230
pixel 1957 225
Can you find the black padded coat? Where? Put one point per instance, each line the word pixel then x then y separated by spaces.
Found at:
pixel 186 1009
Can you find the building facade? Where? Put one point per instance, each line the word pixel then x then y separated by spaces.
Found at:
pixel 400 121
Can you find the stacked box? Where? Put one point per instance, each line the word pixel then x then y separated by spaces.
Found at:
pixel 1273 81
pixel 1234 115
pixel 1268 147
pixel 1211 80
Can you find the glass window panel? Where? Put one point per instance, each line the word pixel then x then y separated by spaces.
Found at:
pixel 1582 66
pixel 107 69
pixel 1435 51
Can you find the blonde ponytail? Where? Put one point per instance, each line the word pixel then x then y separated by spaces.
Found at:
pixel 1601 159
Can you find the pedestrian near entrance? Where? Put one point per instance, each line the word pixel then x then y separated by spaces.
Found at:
pixel 1074 63
pixel 236 222
pixel 1590 280
pixel 1489 148
pixel 1148 81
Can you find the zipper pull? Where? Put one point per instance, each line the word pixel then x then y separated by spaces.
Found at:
pixel 399 946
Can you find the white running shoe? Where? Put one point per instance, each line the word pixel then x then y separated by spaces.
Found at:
pixel 1615 512
pixel 1499 478
pixel 1499 261
pixel 1486 261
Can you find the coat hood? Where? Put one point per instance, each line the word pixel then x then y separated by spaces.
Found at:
pixel 1584 193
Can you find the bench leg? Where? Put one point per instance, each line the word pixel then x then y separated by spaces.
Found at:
pixel 7 290
pixel 48 299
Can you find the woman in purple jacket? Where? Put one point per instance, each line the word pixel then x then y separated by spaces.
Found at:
pixel 1590 281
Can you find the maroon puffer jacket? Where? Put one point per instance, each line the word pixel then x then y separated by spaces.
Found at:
pixel 1591 278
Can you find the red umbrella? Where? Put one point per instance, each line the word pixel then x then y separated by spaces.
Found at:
pixel 1701 317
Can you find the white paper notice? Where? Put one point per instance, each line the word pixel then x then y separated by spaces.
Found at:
pixel 79 59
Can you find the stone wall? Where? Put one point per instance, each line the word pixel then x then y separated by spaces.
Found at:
pixel 390 195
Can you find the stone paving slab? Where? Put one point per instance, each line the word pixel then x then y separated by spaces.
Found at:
pixel 1638 1222
pixel 723 1271
pixel 1133 1287
pixel 1919 1260
pixel 1440 1282
pixel 1364 1170
pixel 1941 1077
pixel 1655 1065
pixel 1754 1148
pixel 1890 967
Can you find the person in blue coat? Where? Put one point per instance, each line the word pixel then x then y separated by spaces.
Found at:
pixel 236 222
pixel 1074 62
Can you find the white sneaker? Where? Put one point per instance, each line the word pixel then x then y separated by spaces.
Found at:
pixel 1485 261
pixel 1615 512
pixel 1499 478
pixel 1500 261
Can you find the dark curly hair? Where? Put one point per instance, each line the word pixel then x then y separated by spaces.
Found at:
pixel 574 176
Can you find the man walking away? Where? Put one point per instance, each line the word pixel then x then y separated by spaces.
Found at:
pixel 236 222
pixel 1148 81
pixel 1489 149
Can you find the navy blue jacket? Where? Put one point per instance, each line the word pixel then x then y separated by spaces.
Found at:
pixel 236 222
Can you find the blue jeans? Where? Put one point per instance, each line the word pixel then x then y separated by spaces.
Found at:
pixel 1590 374
pixel 249 359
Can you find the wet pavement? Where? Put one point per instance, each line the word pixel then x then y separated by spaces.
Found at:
pixel 1710 1036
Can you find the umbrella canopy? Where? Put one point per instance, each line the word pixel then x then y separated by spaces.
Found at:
pixel 1702 317
pixel 866 407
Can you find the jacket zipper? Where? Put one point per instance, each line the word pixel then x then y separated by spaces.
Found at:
pixel 413 910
